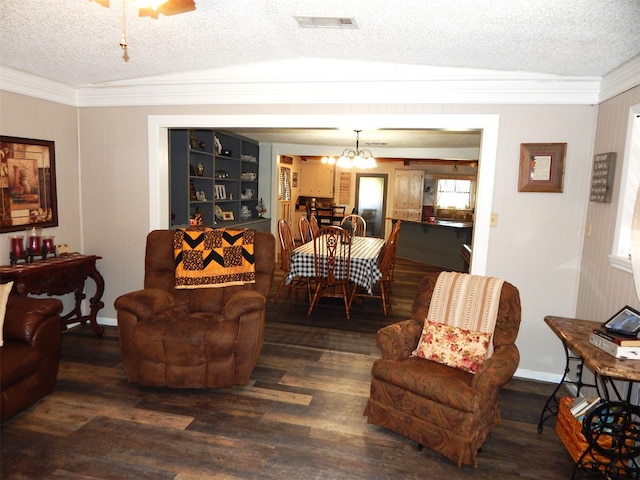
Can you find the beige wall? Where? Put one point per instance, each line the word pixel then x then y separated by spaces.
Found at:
pixel 536 245
pixel 27 117
pixel 22 116
pixel 604 289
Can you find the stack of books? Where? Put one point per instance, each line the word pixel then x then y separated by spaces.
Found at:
pixel 620 346
pixel 581 405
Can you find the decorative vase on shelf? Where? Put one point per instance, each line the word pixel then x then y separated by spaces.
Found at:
pixel 260 208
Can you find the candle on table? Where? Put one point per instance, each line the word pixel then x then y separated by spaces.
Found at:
pixel 48 245
pixel 17 245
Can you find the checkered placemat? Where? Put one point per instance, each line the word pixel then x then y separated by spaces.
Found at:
pixel 364 261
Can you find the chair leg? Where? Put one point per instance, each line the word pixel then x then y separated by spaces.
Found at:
pixel 284 277
pixel 315 298
pixel 383 296
pixel 346 297
pixel 353 294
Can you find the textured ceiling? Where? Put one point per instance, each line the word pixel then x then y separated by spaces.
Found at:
pixel 76 41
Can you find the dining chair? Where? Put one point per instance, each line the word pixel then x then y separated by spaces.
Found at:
pixel 359 224
pixel 304 227
pixel 286 246
pixel 331 266
pixel 313 221
pixel 382 289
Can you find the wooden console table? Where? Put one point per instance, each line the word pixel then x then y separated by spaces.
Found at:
pixel 617 458
pixel 59 276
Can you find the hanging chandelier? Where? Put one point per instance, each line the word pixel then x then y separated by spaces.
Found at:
pixel 351 158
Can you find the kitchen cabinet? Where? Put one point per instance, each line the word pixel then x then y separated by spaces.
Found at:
pixel 211 172
pixel 407 193
pixel 316 180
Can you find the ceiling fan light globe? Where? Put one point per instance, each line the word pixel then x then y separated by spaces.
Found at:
pixel 152 4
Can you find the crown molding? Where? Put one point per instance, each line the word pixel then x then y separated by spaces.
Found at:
pixel 312 81
pixel 316 81
pixel 620 79
pixel 23 83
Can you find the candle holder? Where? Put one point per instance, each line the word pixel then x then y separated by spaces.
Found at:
pixel 17 249
pixel 48 247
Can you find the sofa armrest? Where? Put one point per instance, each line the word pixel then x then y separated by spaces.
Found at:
pixel 498 369
pixel 397 341
pixel 24 316
pixel 243 302
pixel 145 303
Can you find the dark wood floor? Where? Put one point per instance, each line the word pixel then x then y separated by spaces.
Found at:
pixel 300 418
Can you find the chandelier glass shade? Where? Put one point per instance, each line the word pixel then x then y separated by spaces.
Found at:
pixel 153 4
pixel 351 158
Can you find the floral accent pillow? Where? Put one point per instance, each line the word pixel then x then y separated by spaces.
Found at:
pixel 453 346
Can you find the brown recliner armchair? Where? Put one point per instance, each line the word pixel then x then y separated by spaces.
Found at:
pixel 445 409
pixel 30 355
pixel 202 337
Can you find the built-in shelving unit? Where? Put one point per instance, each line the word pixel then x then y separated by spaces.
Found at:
pixel 214 176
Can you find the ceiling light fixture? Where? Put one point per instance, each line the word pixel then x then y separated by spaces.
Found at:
pixel 152 4
pixel 351 158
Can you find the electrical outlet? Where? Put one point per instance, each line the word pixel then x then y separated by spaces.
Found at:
pixel 494 220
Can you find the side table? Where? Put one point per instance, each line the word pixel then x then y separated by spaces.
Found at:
pixel 612 430
pixel 59 276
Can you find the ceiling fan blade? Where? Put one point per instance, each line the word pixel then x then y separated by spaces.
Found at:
pixel 172 7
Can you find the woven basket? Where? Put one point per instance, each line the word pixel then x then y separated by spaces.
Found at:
pixel 569 430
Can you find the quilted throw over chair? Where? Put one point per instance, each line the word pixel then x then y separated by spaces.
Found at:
pixel 444 403
pixel 198 336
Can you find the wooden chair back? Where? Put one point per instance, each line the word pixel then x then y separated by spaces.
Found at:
pixel 332 265
pixel 332 255
pixel 286 244
pixel 359 224
pixel 388 260
pixel 315 228
pixel 305 229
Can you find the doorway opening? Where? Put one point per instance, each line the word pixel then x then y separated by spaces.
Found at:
pixel 371 201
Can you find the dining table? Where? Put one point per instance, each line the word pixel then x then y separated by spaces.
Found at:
pixel 364 270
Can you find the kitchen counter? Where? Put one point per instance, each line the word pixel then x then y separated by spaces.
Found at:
pixel 437 243
pixel 451 223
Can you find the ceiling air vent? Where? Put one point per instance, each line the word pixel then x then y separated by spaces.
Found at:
pixel 326 22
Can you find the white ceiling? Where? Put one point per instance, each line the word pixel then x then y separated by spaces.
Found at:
pixel 75 42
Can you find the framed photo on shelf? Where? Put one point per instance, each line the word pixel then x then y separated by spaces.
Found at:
pixel 220 192
pixel 541 167
pixel 27 184
pixel 227 215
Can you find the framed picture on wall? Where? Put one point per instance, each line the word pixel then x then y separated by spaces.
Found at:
pixel 541 167
pixel 27 184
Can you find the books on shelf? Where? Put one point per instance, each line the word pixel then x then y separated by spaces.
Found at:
pixel 612 348
pixel 582 405
pixel 622 340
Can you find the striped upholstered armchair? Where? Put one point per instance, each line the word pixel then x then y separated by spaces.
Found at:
pixel 424 394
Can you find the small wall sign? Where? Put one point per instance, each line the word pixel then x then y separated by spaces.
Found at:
pixel 602 177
